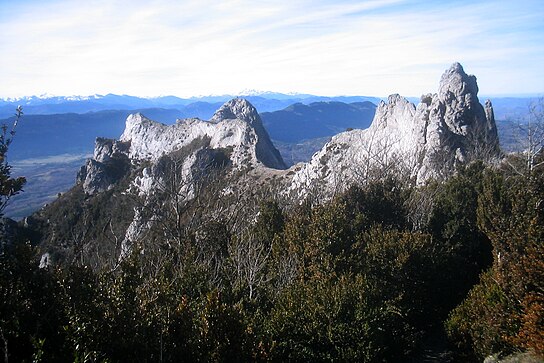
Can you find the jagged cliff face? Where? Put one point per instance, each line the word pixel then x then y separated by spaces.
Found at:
pixel 236 125
pixel 235 128
pixel 155 169
pixel 427 140
pixel 167 166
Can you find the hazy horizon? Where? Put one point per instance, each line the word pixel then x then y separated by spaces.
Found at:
pixel 257 93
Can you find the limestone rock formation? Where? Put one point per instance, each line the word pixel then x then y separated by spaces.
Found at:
pixel 236 125
pixel 241 109
pixel 182 154
pixel 427 140
pixel 156 171
pixel 108 165
pixel 235 128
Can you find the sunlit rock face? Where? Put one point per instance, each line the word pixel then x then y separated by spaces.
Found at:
pixel 155 157
pixel 444 129
pixel 235 128
pixel 424 141
pixel 236 125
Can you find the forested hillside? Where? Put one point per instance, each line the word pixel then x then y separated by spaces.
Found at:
pixel 194 242
pixel 371 276
pixel 206 182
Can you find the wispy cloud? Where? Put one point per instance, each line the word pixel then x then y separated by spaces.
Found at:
pixel 201 47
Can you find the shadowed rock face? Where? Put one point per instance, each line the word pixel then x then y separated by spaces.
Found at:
pixel 462 112
pixel 109 164
pixel 444 129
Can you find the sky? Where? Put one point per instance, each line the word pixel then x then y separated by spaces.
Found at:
pixel 199 47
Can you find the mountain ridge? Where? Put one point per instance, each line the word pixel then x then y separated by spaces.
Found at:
pixel 205 105
pixel 428 140
pixel 318 119
pixel 236 129
pixel 445 129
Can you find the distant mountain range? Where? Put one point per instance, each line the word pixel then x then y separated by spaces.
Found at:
pixel 202 107
pixel 40 136
pixel 319 119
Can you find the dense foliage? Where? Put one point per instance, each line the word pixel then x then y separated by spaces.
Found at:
pixel 382 272
pixel 8 186
pixel 504 312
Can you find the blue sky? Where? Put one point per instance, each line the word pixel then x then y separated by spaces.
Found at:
pixel 200 47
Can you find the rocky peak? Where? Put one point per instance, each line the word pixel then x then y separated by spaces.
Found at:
pixel 136 118
pixel 457 105
pixel 241 109
pixel 457 124
pixel 446 128
pixel 455 83
pixel 237 108
pixel 135 123
pixel 394 112
pixel 236 129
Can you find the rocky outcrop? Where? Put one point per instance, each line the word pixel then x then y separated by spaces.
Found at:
pixel 235 128
pixel 427 140
pixel 106 149
pixel 446 128
pixel 236 125
pixel 231 158
pixel 178 157
pixel 109 164
pixel 241 109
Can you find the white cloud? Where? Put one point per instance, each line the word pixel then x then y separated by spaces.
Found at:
pixel 202 47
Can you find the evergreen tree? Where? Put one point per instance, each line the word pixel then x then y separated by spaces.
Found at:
pixel 8 186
